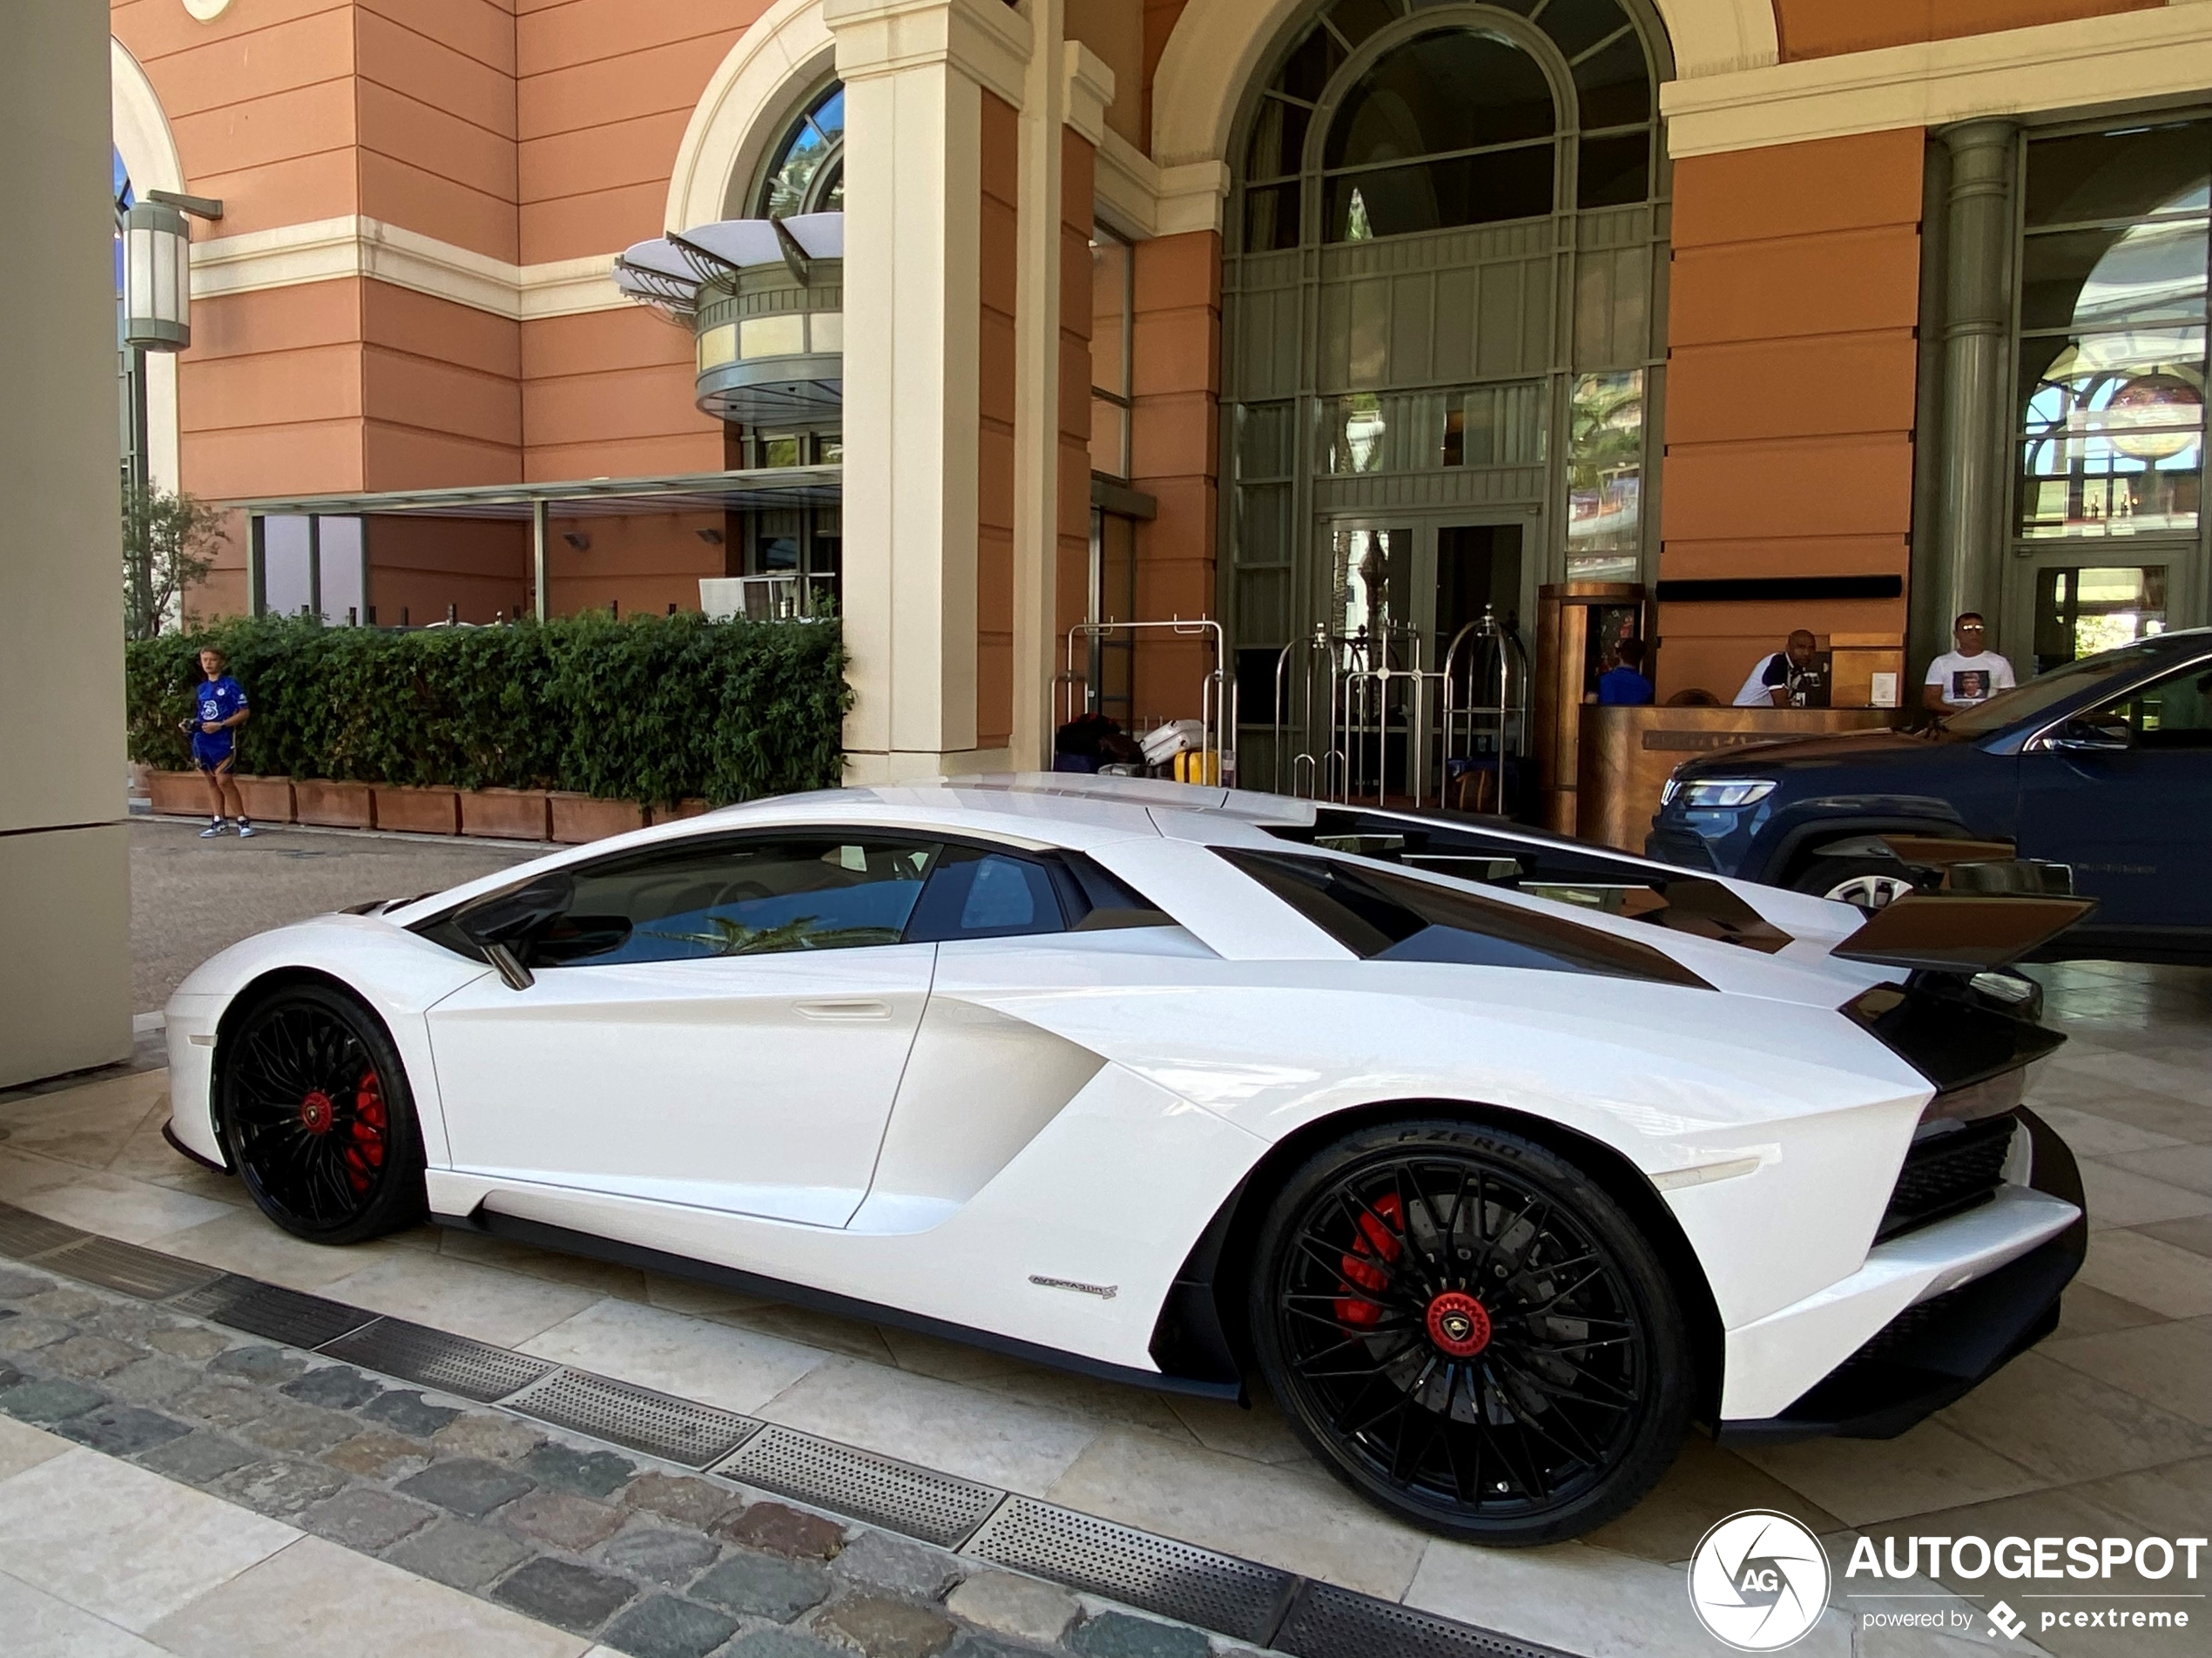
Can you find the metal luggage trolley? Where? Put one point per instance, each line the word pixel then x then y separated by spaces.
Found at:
pixel 1394 727
pixel 1217 691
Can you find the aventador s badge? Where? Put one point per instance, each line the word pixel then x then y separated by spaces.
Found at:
pixel 1103 1291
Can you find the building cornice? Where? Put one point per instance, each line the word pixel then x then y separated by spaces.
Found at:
pixel 1142 199
pixel 986 40
pixel 327 250
pixel 1087 87
pixel 2127 56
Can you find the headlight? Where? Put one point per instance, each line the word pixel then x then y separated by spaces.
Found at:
pixel 1720 791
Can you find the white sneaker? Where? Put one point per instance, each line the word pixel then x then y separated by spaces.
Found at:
pixel 245 830
pixel 213 830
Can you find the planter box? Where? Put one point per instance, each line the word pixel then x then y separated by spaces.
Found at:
pixel 421 812
pixel 691 808
pixel 505 814
pixel 267 800
pixel 177 794
pixel 334 805
pixel 579 818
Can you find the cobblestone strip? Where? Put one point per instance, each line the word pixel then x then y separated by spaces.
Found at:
pixel 648 1558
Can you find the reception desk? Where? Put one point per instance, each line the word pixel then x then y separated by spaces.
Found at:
pixel 1626 753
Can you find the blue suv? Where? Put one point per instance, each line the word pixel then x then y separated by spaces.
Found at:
pixel 2104 764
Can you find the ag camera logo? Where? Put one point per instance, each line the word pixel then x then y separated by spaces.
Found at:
pixel 1758 1580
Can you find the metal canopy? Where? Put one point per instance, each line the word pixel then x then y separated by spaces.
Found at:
pixel 760 488
pixel 668 270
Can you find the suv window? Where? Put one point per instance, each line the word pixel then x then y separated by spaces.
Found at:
pixel 2172 712
pixel 726 898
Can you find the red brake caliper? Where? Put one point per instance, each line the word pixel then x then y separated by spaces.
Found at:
pixel 1366 1264
pixel 365 1152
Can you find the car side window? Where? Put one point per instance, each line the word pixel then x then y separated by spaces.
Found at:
pixel 976 894
pixel 732 897
pixel 2174 712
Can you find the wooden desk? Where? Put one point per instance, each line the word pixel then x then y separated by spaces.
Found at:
pixel 1626 754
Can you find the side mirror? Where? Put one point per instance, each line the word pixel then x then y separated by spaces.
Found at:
pixel 499 924
pixel 2090 735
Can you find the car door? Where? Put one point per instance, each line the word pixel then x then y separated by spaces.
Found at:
pixel 2135 819
pixel 719 1023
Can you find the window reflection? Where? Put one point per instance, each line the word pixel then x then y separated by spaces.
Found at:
pixel 2079 612
pixel 1456 127
pixel 1604 474
pixel 2111 353
pixel 1369 571
pixel 1476 426
pixel 1476 110
pixel 805 173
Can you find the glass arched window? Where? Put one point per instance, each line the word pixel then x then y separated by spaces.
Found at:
pixel 806 170
pixel 1455 127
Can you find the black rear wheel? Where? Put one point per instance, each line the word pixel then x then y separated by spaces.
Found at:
pixel 1469 1330
pixel 318 1116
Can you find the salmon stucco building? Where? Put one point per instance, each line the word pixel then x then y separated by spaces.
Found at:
pixel 1340 323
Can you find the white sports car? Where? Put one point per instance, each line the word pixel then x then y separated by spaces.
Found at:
pixel 1501 1160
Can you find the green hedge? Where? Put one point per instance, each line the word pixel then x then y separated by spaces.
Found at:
pixel 653 708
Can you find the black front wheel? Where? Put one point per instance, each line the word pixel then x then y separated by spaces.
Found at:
pixel 1468 1330
pixel 318 1117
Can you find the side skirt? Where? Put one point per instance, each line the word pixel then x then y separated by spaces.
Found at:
pixel 542 1235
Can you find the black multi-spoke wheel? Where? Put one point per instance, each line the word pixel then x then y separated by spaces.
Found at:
pixel 1467 1329
pixel 317 1115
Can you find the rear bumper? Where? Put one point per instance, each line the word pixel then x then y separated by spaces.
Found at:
pixel 1941 1346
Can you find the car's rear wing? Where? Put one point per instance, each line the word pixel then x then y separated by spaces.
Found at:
pixel 1961 932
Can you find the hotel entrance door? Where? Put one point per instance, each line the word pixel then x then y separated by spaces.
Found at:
pixel 1413 670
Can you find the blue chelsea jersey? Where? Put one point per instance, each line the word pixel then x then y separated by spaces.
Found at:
pixel 219 698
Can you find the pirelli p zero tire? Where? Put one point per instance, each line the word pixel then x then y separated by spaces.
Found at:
pixel 1469 1332
pixel 318 1117
pixel 1869 883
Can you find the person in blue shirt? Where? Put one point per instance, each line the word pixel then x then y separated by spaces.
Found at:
pixel 219 709
pixel 1623 684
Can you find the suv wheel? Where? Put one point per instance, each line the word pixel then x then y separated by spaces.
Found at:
pixel 1868 883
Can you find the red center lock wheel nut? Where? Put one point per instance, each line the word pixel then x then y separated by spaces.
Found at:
pixel 316 1113
pixel 1459 1324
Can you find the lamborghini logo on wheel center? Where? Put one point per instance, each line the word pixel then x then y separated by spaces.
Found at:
pixel 1459 1324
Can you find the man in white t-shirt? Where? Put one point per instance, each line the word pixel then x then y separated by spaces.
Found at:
pixel 1966 674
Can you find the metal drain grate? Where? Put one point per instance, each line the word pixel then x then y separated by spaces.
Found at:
pixel 271 1312
pixel 452 1364
pixel 938 1508
pixel 1329 1622
pixel 620 1413
pixel 144 1273
pixel 1214 1591
pixel 23 1234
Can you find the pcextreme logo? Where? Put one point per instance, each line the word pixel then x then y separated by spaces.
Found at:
pixel 1758 1580
pixel 2144 1599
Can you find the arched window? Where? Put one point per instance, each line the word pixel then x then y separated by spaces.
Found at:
pixel 1457 125
pixel 1454 128
pixel 806 170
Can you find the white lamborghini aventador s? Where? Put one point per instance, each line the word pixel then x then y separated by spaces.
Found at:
pixel 1500 1159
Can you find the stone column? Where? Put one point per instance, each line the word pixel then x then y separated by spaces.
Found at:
pixel 1976 421
pixel 64 852
pixel 915 73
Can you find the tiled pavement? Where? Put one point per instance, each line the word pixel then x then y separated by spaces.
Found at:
pixel 2105 1430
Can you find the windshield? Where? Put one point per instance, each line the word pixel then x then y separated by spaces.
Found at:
pixel 2025 702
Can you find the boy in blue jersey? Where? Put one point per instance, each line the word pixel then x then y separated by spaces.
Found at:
pixel 219 709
